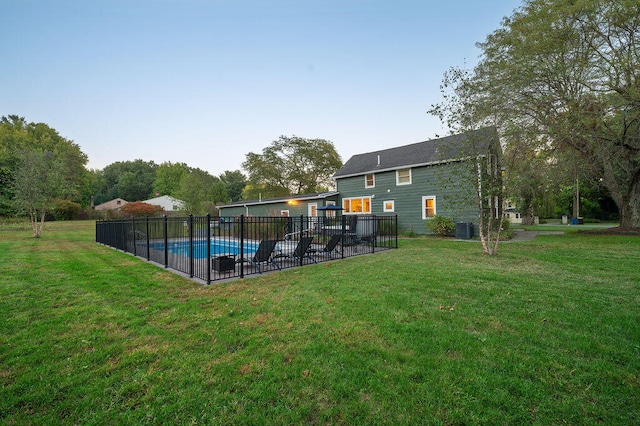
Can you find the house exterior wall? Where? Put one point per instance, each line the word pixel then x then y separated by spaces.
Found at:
pixel 267 208
pixel 114 204
pixel 450 183
pixel 167 203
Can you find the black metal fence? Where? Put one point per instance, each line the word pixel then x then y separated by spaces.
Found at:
pixel 218 248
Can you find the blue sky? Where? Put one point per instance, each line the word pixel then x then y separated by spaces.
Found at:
pixel 205 82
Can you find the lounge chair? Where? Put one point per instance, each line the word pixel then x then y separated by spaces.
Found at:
pixel 330 247
pixel 264 254
pixel 301 251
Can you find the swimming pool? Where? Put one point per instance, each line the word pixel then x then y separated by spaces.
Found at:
pixel 218 247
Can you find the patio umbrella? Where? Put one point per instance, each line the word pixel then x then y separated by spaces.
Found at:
pixel 330 208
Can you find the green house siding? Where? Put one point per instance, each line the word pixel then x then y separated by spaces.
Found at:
pixel 294 206
pixel 450 183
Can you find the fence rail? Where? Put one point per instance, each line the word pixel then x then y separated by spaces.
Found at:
pixel 211 249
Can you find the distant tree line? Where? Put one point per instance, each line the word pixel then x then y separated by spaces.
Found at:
pixel 140 180
pixel 43 174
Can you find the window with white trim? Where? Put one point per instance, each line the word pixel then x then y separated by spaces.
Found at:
pixel 356 205
pixel 389 206
pixel 428 207
pixel 370 181
pixel 403 177
pixel 284 213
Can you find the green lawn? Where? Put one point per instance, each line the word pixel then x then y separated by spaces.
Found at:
pixel 547 332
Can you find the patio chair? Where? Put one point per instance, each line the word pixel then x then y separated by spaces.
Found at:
pixel 263 255
pixel 332 246
pixel 301 251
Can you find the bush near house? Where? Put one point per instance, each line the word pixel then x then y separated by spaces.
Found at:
pixel 441 226
pixel 140 209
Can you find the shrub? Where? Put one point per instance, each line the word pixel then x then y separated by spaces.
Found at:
pixel 66 210
pixel 440 225
pixel 140 209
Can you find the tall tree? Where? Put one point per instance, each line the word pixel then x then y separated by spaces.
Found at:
pixel 483 175
pixel 18 135
pixel 566 72
pixel 234 182
pixel 130 180
pixel 293 165
pixel 168 178
pixel 200 191
pixel 37 183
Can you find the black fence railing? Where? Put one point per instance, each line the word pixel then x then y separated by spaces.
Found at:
pixel 218 248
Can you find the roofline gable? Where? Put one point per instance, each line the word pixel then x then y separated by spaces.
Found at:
pixel 447 149
pixel 408 166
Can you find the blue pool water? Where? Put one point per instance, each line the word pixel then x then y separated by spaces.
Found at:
pixel 218 247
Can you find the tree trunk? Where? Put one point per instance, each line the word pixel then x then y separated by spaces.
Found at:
pixel 629 208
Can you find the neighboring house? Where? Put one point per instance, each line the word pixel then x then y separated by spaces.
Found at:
pixel 167 203
pixel 417 181
pixel 514 216
pixel 293 205
pixel 113 205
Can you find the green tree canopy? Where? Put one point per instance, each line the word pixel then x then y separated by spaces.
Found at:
pixel 169 177
pixel 293 165
pixel 563 76
pixel 37 183
pixel 200 191
pixel 234 182
pixel 129 180
pixel 16 136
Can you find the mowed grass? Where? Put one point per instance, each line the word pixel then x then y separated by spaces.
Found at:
pixel 547 332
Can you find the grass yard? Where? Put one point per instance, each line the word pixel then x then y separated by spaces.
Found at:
pixel 547 332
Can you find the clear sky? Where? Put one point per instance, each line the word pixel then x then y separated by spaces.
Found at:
pixel 205 82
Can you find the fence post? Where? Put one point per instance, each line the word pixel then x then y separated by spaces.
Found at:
pixel 208 249
pixel 396 226
pixel 375 229
pixel 123 236
pixel 133 232
pixel 148 243
pixel 299 239
pixel 344 227
pixel 166 242
pixel 241 246
pixel 190 246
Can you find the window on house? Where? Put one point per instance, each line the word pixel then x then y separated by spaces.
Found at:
pixel 313 209
pixel 370 181
pixel 428 206
pixel 356 205
pixel 284 213
pixel 403 177
pixel 388 206
pixel 118 202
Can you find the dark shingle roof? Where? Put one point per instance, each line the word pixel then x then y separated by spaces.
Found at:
pixel 445 149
